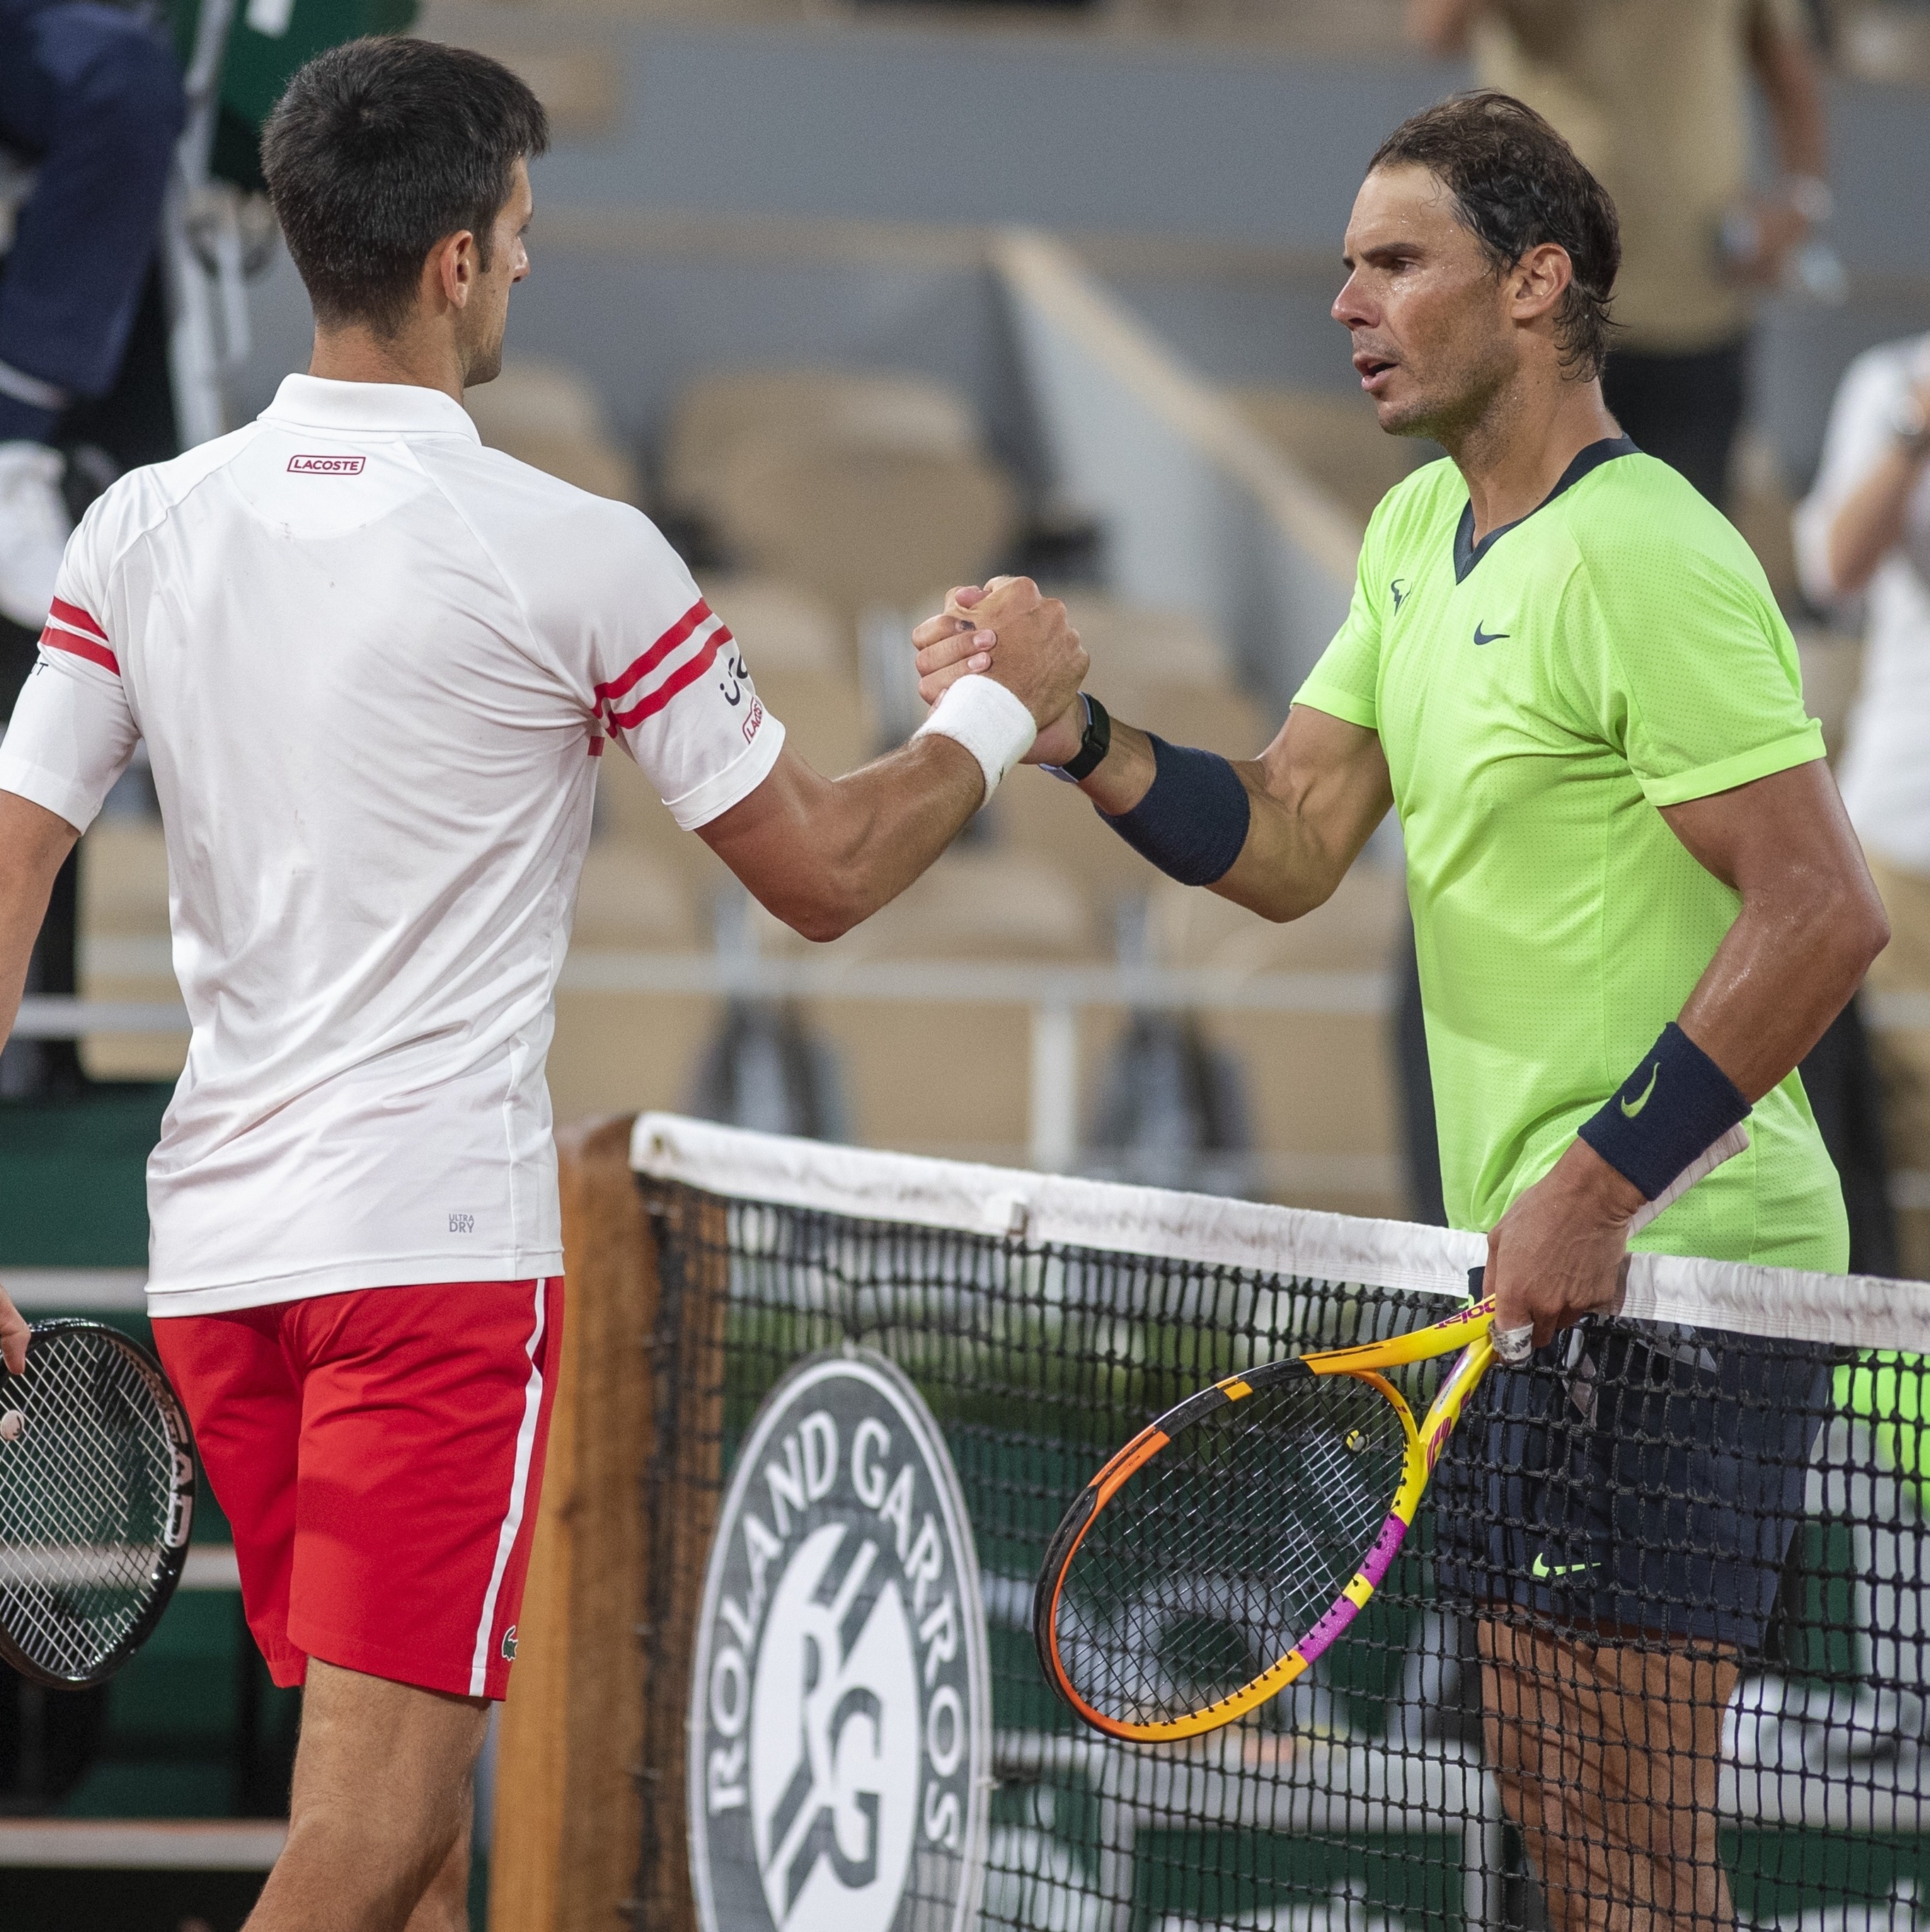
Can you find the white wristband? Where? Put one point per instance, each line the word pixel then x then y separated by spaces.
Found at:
pixel 991 722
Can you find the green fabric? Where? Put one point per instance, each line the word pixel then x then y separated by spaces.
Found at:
pixel 73 1177
pixel 1632 657
pixel 258 65
pixel 1888 1392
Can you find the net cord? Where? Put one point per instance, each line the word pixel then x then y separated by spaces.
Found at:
pixel 1861 1311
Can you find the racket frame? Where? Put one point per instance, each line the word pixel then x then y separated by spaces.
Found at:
pixel 1467 1330
pixel 172 1557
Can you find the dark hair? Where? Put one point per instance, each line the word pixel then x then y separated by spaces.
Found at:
pixel 378 150
pixel 1516 184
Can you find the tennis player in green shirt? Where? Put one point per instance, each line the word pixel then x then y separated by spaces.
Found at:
pixel 1637 904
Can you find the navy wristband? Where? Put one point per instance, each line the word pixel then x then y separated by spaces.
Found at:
pixel 1674 1107
pixel 1194 819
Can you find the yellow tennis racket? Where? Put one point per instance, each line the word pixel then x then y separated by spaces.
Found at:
pixel 1232 1541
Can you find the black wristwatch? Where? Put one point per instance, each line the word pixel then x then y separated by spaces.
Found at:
pixel 1095 744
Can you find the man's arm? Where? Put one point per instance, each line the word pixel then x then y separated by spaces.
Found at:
pixel 1810 924
pixel 823 854
pixel 1314 796
pixel 1791 78
pixel 34 846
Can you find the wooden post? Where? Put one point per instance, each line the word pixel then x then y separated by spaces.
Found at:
pixel 589 1826
pixel 563 1853
pixel 684 1489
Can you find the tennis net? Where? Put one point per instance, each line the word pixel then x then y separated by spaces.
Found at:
pixel 1689 1541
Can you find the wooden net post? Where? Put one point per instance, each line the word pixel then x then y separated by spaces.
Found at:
pixel 590 1765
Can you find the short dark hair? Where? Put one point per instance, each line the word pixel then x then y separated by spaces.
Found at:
pixel 379 149
pixel 1516 184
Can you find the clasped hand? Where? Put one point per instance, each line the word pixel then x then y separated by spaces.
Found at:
pixel 1008 621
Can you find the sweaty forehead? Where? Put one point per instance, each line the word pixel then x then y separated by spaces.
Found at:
pixel 1404 202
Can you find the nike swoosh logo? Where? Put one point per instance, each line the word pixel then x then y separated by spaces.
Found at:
pixel 1481 637
pixel 1629 1108
pixel 1543 1569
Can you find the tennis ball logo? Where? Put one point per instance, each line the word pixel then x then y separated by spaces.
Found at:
pixel 839 1723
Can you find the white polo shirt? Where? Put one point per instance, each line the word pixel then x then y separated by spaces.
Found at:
pixel 374 663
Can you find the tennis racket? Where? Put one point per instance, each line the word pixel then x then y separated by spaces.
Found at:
pixel 97 1494
pixel 1233 1540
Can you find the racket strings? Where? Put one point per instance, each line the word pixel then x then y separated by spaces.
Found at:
pixel 1227 1548
pixel 86 1495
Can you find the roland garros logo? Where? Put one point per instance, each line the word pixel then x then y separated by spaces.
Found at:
pixel 840 1719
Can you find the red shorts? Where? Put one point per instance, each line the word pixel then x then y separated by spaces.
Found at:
pixel 378 1455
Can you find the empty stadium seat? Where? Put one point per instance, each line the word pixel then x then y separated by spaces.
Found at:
pixel 865 525
pixel 1337 440
pixel 718 414
pixel 546 415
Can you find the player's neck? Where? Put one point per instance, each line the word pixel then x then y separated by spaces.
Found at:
pixel 1515 453
pixel 422 359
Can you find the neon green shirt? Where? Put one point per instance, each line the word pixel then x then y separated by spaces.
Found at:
pixel 1538 699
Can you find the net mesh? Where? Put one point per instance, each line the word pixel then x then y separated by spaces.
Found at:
pixel 1653 1654
pixel 87 1497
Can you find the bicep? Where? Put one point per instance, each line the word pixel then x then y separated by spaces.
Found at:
pixel 1768 835
pixel 1331 774
pixel 1317 791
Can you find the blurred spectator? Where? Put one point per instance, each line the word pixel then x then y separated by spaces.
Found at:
pixel 1654 96
pixel 1863 542
pixel 90 98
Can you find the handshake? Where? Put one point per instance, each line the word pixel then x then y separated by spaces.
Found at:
pixel 1009 632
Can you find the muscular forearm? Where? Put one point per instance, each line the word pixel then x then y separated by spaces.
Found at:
pixel 1315 796
pixel 1870 524
pixel 1786 969
pixel 1809 924
pixel 850 845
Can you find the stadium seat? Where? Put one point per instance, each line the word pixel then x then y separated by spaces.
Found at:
pixel 1336 440
pixel 545 414
pixel 1135 644
pixel 782 627
pixel 124 948
pixel 953 1076
pixel 717 414
pixel 1320 1085
pixel 864 525
pixel 630 898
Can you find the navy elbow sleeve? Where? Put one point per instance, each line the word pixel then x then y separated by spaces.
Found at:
pixel 1193 821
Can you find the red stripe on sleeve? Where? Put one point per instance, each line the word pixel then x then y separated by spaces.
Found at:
pixel 698 614
pixel 55 639
pixel 684 675
pixel 75 619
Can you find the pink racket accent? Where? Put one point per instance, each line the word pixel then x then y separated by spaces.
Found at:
pixel 1374 1566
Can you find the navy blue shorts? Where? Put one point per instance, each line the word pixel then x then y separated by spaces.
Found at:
pixel 1646 1477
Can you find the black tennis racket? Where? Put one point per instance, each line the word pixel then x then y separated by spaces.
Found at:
pixel 97 1494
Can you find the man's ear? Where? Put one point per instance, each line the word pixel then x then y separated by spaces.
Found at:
pixel 1539 280
pixel 453 266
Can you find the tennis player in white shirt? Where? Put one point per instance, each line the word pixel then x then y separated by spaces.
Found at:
pixel 374 663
